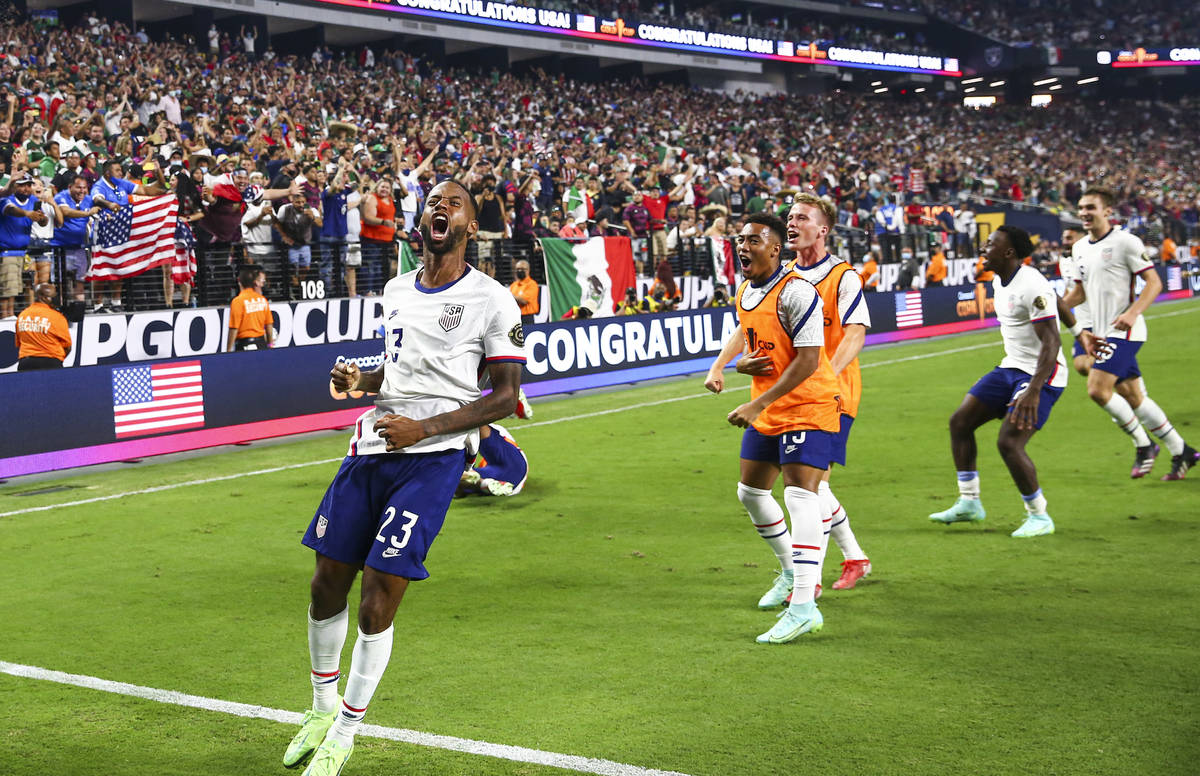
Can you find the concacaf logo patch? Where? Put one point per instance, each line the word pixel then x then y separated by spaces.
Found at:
pixel 516 335
pixel 1040 302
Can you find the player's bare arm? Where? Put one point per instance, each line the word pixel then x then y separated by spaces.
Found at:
pixel 715 381
pixel 853 339
pixel 1150 292
pixel 1025 407
pixel 400 432
pixel 802 366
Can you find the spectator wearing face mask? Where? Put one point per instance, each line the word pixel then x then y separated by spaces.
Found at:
pixel 525 290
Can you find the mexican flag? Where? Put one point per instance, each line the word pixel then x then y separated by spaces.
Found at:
pixel 599 269
pixel 408 259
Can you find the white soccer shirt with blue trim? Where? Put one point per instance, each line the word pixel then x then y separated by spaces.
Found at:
pixel 1108 269
pixel 1068 267
pixel 852 308
pixel 438 342
pixel 799 306
pixel 1027 299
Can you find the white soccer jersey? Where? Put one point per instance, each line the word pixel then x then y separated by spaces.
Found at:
pixel 1068 267
pixel 850 304
pixel 1107 268
pixel 438 344
pixel 799 306
pixel 1026 299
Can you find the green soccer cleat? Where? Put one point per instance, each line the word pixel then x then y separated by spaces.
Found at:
pixel 779 591
pixel 965 510
pixel 329 760
pixel 794 622
pixel 313 728
pixel 1035 525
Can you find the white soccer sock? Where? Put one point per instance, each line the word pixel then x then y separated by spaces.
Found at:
pixel 840 527
pixel 325 641
pixel 1123 416
pixel 768 519
pixel 371 653
pixel 968 484
pixel 1155 419
pixel 1035 503
pixel 804 507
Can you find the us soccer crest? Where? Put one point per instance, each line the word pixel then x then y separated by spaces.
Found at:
pixel 451 317
pixel 322 524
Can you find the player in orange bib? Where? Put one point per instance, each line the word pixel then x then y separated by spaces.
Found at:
pixel 791 420
pixel 810 220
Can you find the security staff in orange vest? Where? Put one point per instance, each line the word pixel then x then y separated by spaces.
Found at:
pixel 42 337
pixel 525 290
pixel 251 326
pixel 935 273
pixel 791 420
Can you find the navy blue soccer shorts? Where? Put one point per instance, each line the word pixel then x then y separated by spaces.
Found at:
pixel 1121 360
pixel 1001 385
pixel 840 440
pixel 811 448
pixel 384 511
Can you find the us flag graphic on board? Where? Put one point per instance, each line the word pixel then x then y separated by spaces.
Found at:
pixel 908 309
pixel 157 397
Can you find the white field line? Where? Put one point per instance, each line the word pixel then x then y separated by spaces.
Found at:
pixel 515 753
pixel 555 421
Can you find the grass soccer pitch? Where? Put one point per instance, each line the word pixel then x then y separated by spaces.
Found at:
pixel 603 621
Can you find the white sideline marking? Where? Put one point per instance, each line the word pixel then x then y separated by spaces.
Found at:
pixel 516 753
pixel 598 413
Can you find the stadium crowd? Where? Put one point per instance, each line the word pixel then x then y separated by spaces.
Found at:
pixel 661 162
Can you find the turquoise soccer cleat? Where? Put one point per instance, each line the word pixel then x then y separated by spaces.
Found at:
pixel 329 760
pixel 1035 525
pixel 313 728
pixel 965 510
pixel 794 622
pixel 779 591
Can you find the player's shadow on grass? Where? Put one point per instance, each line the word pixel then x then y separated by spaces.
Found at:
pixel 532 494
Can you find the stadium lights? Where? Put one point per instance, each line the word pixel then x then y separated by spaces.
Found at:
pixel 996 83
pixel 1056 86
pixel 1045 81
pixel 881 90
pixel 918 91
pixel 1091 80
pixel 972 81
pixel 968 90
pixel 877 83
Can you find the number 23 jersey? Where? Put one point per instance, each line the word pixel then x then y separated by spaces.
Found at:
pixel 438 343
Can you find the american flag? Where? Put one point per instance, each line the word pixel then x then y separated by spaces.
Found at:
pixel 183 269
pixel 157 397
pixel 138 237
pixel 908 309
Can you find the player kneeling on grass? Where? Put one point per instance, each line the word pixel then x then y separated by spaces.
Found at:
pixel 388 500
pixel 1019 392
pixel 790 420
pixel 501 468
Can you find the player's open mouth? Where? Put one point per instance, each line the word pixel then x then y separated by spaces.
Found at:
pixel 745 262
pixel 439 225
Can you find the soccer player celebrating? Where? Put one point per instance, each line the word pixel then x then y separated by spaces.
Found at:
pixel 1106 265
pixel 1080 320
pixel 846 318
pixel 386 504
pixel 791 419
pixel 1020 392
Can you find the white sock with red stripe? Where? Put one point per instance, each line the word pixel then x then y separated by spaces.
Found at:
pixel 1155 419
pixel 1123 416
pixel 826 521
pixel 768 519
pixel 804 507
pixel 325 641
pixel 840 527
pixel 371 653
